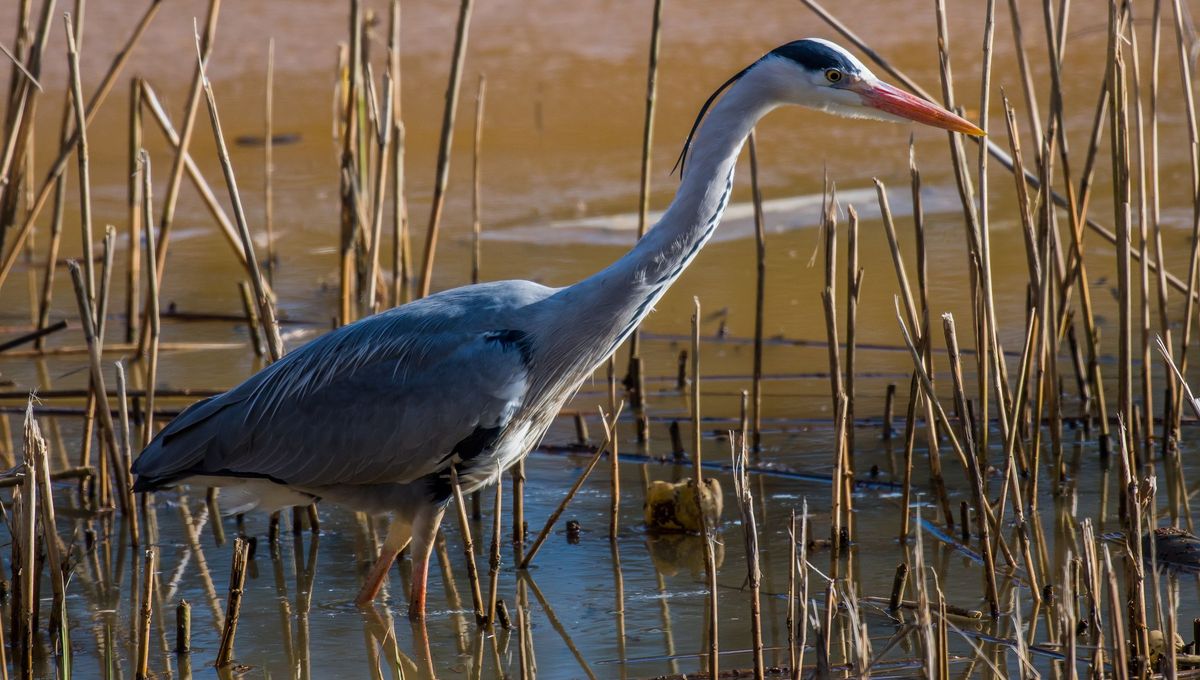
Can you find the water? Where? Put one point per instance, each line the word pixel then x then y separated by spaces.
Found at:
pixel 562 145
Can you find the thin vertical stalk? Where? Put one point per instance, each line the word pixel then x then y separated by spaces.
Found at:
pixel 443 162
pixel 269 159
pixel 476 188
pixel 464 525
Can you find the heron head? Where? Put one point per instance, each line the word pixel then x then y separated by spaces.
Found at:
pixel 818 74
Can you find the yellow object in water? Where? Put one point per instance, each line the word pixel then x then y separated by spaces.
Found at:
pixel 672 507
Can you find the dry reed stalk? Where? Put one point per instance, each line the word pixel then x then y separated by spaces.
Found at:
pixel 494 555
pixel 265 304
pixel 829 294
pixel 1168 430
pixel 401 251
pixel 741 486
pixel 792 633
pixel 978 482
pixel 1185 76
pixel 854 276
pixel 36 456
pixel 464 526
pixel 1116 615
pixel 634 377
pixel 710 569
pixel 68 147
pixel 269 162
pixel 518 512
pixel 228 230
pixel 85 185
pixel 383 139
pixel 175 179
pixel 523 652
pixel 128 509
pixel 1119 141
pixel 443 162
pixel 347 129
pixel 149 576
pixel 609 423
pixel 153 324
pixel 838 523
pixel 237 581
pixel 615 447
pixel 25 547
pixel 1147 382
pixel 476 188
pixel 1093 584
pixel 183 627
pixel 760 284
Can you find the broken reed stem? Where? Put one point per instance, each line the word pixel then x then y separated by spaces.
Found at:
pixel 233 607
pixel 265 304
pixel 741 485
pixel 149 576
pixel 854 275
pixel 443 162
pixel 85 189
pixel 152 326
pixel 183 627
pixel 26 556
pixel 609 424
pixel 401 250
pixel 464 525
pixel 476 188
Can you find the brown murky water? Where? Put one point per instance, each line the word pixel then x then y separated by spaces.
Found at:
pixel 562 144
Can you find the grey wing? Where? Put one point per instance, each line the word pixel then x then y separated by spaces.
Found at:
pixel 334 413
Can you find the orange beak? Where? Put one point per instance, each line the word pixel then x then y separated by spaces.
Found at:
pixel 897 102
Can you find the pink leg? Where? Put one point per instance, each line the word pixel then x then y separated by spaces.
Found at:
pixel 398 536
pixel 424 531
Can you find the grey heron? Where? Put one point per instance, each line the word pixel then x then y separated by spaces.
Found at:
pixel 373 415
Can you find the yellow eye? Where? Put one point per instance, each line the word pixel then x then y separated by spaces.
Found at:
pixel 833 75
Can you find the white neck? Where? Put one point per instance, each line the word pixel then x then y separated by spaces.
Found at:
pixel 623 293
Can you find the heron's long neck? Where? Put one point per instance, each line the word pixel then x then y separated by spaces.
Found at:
pixel 625 292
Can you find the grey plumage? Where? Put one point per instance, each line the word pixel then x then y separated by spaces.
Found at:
pixel 383 401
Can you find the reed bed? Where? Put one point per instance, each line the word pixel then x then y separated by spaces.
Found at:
pixel 1002 418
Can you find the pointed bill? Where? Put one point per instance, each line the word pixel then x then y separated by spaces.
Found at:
pixel 892 100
